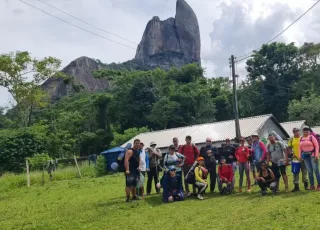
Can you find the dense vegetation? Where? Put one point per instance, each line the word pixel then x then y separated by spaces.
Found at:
pixel 283 79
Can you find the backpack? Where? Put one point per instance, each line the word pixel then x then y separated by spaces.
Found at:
pixel 194 150
pixel 190 178
pixel 317 136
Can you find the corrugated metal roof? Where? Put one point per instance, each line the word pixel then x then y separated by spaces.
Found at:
pixel 316 129
pixel 288 126
pixel 218 131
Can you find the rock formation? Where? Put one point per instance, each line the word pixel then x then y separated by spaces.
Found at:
pixel 81 71
pixel 172 42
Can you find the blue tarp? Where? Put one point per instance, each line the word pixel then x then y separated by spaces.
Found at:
pixel 111 156
pixel 113 150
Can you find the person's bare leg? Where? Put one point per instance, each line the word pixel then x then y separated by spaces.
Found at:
pixel 285 180
pixel 133 191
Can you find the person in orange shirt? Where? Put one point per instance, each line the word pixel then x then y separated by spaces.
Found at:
pixel 242 155
pixel 309 152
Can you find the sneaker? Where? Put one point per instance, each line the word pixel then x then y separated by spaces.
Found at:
pixel 312 187
pixel 240 189
pixel 188 194
pixel 286 190
pixel 318 188
pixel 128 200
pixel 249 190
pixel 200 197
pixel 306 185
pixel 263 192
pixel 296 188
pixel 135 198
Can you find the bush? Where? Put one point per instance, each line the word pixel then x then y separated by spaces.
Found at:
pixel 39 160
pixel 100 168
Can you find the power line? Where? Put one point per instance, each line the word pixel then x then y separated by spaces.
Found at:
pixel 278 35
pixel 79 19
pixel 80 28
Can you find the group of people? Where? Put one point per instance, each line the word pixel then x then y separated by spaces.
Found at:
pixel 268 163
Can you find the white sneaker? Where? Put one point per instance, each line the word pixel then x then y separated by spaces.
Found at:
pixel 200 197
pixel 188 194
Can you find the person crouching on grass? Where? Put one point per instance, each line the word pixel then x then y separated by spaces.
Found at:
pixel 172 186
pixel 266 179
pixel 201 174
pixel 226 176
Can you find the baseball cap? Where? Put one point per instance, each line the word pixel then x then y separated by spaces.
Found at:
pixel 153 143
pixel 200 159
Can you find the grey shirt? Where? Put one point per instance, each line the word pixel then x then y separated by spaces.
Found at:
pixel 276 151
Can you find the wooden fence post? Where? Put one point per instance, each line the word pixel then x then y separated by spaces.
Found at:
pixel 75 160
pixel 28 173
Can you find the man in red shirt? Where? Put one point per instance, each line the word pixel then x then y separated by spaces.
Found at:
pixel 191 153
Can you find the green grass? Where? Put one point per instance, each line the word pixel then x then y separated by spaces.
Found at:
pixel 98 203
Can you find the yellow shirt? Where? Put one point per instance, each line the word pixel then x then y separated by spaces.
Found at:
pixel 198 174
pixel 294 143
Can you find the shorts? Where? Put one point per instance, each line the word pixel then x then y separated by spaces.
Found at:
pixel 132 179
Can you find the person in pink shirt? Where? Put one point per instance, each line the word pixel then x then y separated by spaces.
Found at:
pixel 309 152
pixel 242 155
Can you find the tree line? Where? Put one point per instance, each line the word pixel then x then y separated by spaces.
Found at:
pixel 282 79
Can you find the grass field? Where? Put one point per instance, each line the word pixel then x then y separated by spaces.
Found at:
pixel 98 203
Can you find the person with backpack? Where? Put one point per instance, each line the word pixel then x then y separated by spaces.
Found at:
pixel 191 153
pixel 131 164
pixel 309 148
pixel 294 149
pixel 226 176
pixel 154 155
pixel 242 155
pixel 277 154
pixel 258 150
pixel 144 166
pixel 201 173
pixel 210 154
pixel 173 158
pixel 172 186
pixel 266 179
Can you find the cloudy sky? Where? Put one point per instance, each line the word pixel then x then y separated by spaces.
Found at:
pixel 227 27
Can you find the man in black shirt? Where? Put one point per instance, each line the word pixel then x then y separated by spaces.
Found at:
pixel 131 164
pixel 229 151
pixel 210 153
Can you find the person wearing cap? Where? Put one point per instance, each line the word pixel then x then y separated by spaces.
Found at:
pixel 144 166
pixel 226 176
pixel 277 154
pixel 191 153
pixel 154 155
pixel 229 153
pixel 259 151
pixel 201 174
pixel 210 155
pixel 266 179
pixel 294 149
pixel 172 186
pixel 173 158
pixel 242 155
pixel 309 148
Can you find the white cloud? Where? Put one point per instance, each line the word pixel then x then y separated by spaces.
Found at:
pixel 227 27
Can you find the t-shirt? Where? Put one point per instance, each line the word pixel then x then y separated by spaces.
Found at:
pixel 191 152
pixel 294 143
pixel 276 151
pixel 173 160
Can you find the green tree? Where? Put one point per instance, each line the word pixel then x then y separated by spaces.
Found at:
pixel 120 139
pixel 308 108
pixel 21 75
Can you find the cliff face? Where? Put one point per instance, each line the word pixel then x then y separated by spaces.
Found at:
pixel 172 42
pixel 81 71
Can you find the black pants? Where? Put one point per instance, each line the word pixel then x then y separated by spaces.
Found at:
pixel 186 169
pixel 264 185
pixel 213 176
pixel 152 174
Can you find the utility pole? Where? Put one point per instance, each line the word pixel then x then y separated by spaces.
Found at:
pixel 235 98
